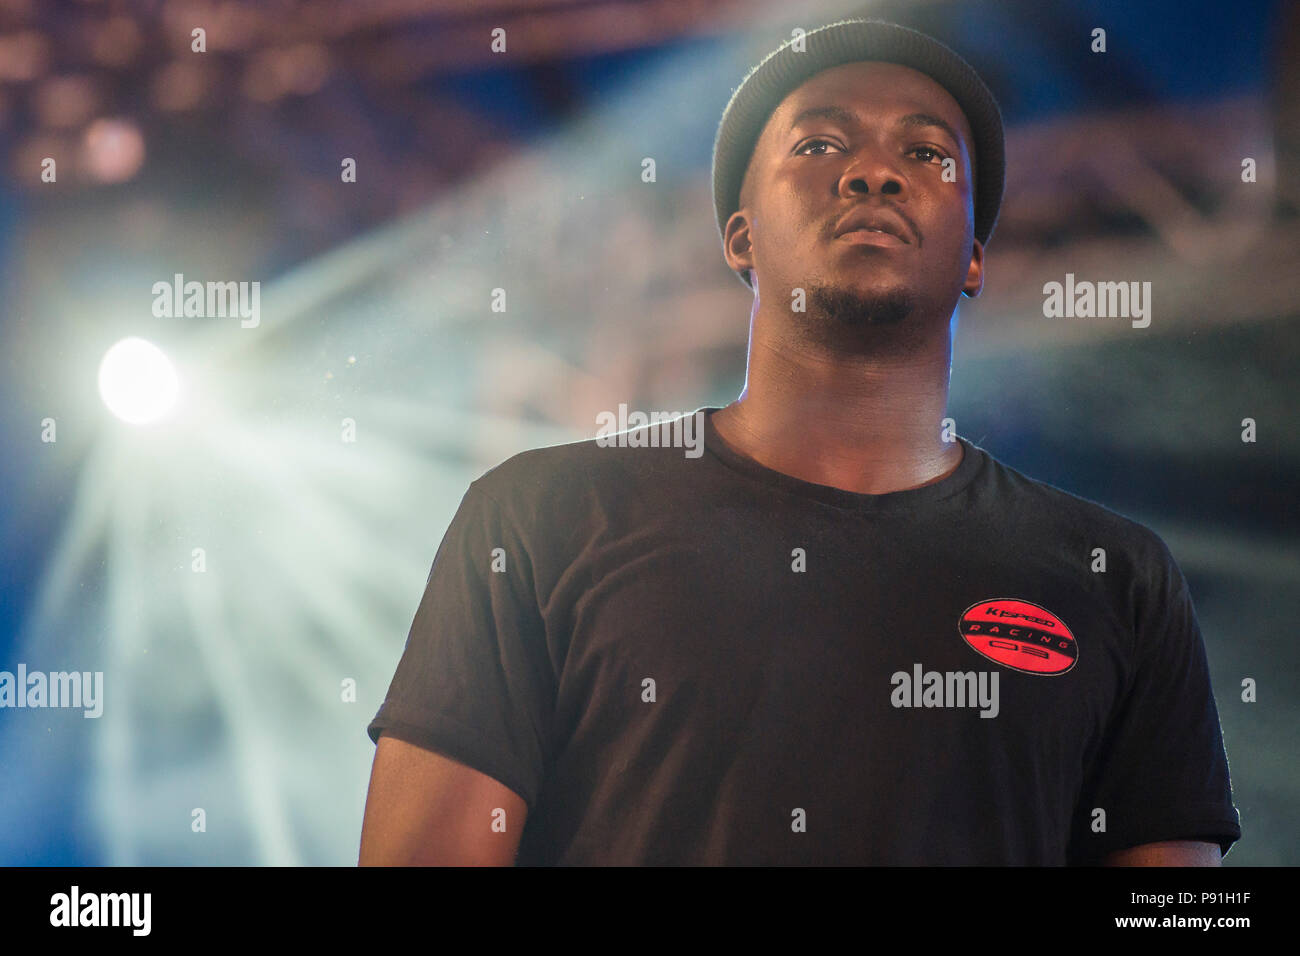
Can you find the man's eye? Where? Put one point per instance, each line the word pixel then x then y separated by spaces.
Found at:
pixel 801 150
pixel 927 149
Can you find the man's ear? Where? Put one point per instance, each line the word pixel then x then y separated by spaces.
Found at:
pixel 736 245
pixel 975 274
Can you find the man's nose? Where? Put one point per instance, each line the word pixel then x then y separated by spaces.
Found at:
pixel 868 174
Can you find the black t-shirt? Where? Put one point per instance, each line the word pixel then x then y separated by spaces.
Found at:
pixel 678 657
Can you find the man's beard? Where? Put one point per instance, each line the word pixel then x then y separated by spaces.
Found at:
pixel 850 308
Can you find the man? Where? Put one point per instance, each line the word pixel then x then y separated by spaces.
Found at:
pixel 842 634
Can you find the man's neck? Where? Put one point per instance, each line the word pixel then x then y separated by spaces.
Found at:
pixel 871 427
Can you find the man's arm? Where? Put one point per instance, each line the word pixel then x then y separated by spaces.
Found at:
pixel 1167 853
pixel 424 809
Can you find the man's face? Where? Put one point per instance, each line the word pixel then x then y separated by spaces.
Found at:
pixel 866 136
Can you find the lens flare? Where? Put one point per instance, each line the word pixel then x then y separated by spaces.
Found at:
pixel 138 382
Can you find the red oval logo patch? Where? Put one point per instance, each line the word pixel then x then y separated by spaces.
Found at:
pixel 1019 635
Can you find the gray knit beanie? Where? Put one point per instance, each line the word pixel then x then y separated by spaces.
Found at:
pixel 850 41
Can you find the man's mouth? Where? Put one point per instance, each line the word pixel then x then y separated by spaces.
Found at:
pixel 871 236
pixel 866 224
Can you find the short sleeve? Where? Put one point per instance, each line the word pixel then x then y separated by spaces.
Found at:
pixel 474 681
pixel 1161 772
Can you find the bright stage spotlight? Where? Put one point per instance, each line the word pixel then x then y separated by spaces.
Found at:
pixel 137 381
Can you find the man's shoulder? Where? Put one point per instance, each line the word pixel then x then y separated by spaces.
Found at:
pixel 536 471
pixel 1035 499
pixel 551 477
